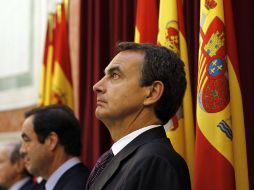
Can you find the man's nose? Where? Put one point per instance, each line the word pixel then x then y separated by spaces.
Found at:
pixel 99 86
pixel 22 149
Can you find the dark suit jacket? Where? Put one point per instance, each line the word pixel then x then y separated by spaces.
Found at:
pixel 148 162
pixel 29 185
pixel 73 179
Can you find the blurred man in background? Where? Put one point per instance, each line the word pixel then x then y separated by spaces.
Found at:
pixel 51 147
pixel 13 174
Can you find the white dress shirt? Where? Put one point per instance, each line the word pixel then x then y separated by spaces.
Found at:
pixel 53 179
pixel 120 144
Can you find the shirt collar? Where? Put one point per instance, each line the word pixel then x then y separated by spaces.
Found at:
pixel 120 144
pixel 19 184
pixel 51 182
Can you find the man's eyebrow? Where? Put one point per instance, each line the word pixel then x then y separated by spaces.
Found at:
pixel 112 69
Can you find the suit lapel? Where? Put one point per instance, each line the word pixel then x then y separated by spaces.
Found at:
pixel 126 152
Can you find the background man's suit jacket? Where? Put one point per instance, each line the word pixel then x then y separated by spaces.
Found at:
pixel 73 179
pixel 148 162
pixel 29 185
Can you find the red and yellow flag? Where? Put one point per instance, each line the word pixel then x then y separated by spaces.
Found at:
pixel 180 129
pixel 220 138
pixel 46 75
pixel 146 21
pixel 56 82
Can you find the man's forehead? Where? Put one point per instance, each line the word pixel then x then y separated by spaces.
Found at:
pixel 28 121
pixel 129 54
pixel 125 59
pixel 27 127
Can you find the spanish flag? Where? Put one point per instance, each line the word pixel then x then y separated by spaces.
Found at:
pixel 220 138
pixel 146 21
pixel 180 129
pixel 56 82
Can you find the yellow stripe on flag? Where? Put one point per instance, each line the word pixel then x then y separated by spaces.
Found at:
pixel 49 71
pixel 239 144
pixel 62 90
pixel 47 66
pixel 137 35
pixel 171 35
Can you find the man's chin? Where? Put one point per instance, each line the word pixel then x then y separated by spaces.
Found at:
pixel 99 114
pixel 30 170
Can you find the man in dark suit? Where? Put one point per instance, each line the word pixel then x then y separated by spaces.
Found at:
pixel 142 89
pixel 51 147
pixel 13 174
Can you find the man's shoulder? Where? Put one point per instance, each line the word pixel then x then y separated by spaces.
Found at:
pixel 158 150
pixel 80 167
pixel 153 141
pixel 73 178
pixel 78 170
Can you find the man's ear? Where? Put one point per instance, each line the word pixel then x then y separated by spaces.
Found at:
pixel 52 140
pixel 155 92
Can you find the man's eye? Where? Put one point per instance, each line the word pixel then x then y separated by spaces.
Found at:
pixel 25 139
pixel 115 76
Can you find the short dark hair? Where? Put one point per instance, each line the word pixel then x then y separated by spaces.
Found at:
pixel 61 120
pixel 15 154
pixel 163 65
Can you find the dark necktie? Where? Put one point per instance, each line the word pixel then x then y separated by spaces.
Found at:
pixel 99 167
pixel 42 185
pixel 39 185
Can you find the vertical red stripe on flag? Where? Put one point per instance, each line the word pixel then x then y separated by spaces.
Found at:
pixel 62 51
pixel 231 43
pixel 180 17
pixel 147 21
pixel 214 171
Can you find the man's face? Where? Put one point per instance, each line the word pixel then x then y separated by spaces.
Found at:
pixel 119 94
pixel 36 155
pixel 8 171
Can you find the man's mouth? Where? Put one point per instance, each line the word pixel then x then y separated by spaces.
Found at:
pixel 100 102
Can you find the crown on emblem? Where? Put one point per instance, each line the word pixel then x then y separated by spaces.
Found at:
pixel 215 42
pixel 210 4
pixel 172 42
